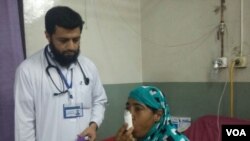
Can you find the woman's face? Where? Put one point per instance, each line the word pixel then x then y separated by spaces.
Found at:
pixel 143 117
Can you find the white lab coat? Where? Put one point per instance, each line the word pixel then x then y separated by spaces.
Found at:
pixel 39 114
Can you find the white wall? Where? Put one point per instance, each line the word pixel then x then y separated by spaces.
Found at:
pixel 179 40
pixel 135 41
pixel 111 36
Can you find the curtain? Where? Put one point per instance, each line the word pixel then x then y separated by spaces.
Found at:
pixel 11 54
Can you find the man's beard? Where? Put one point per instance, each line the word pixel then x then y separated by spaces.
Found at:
pixel 63 58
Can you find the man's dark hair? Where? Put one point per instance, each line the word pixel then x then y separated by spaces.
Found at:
pixel 64 17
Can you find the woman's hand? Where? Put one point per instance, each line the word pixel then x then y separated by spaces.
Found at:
pixel 125 135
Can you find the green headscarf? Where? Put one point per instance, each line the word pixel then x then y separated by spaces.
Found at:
pixel 162 130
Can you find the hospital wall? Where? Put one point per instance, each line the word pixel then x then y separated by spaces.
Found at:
pixel 169 44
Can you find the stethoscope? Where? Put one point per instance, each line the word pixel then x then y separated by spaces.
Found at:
pixel 64 80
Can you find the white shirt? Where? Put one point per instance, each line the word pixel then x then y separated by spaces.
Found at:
pixel 39 114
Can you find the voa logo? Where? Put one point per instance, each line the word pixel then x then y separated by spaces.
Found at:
pixel 236 132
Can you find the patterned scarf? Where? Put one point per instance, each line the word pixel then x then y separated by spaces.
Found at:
pixel 162 130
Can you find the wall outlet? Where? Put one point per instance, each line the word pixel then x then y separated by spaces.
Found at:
pixel 240 62
pixel 220 63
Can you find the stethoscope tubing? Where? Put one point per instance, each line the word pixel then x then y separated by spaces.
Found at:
pixel 86 79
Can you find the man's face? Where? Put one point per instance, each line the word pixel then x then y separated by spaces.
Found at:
pixel 65 45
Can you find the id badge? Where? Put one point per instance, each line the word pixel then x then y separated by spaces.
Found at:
pixel 72 110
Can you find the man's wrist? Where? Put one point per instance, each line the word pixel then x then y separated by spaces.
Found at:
pixel 93 124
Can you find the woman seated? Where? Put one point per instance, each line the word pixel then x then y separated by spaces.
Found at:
pixel 151 118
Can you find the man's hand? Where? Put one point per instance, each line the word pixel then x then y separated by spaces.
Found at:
pixel 90 132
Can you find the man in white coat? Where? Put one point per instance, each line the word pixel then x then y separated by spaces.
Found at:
pixel 58 93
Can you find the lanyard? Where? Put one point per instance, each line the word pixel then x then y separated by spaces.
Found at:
pixel 64 80
pixel 69 86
